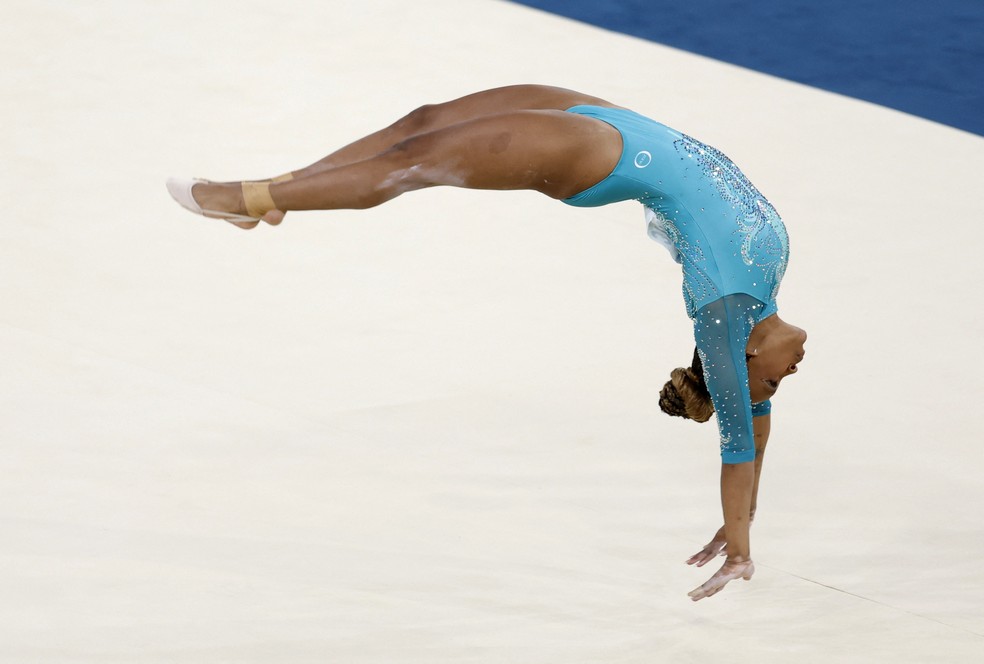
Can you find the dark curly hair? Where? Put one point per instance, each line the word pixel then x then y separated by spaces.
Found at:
pixel 686 395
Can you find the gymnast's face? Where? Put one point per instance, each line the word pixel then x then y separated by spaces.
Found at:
pixel 779 356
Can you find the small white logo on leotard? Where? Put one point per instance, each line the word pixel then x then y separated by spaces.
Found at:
pixel 643 159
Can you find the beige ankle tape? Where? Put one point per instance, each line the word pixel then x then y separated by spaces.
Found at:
pixel 257 197
pixel 283 178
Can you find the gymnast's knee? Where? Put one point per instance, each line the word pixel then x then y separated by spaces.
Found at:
pixel 419 119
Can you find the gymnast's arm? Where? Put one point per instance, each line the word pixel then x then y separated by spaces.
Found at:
pixel 737 492
pixel 761 424
pixel 721 330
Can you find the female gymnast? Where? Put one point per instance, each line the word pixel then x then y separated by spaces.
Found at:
pixel 585 151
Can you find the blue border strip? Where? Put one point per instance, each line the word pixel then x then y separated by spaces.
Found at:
pixel 924 57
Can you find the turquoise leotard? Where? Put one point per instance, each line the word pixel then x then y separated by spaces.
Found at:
pixel 730 240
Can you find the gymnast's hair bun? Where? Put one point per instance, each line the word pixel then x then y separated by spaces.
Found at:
pixel 686 395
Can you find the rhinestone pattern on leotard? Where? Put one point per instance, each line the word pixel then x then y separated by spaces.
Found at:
pixel 721 330
pixel 762 235
pixel 699 287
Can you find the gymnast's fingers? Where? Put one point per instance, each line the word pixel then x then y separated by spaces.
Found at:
pixel 728 572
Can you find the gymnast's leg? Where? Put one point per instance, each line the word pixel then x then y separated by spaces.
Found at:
pixel 558 154
pixel 438 116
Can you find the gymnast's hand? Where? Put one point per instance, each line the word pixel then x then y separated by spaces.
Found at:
pixel 730 570
pixel 718 546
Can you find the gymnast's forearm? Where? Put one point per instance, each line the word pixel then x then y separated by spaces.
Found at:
pixel 737 482
pixel 761 427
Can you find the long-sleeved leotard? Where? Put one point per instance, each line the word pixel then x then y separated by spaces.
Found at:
pixel 729 239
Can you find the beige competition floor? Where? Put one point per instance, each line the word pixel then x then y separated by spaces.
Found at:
pixel 428 432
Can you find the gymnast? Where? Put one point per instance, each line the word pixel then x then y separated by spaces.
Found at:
pixel 587 152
